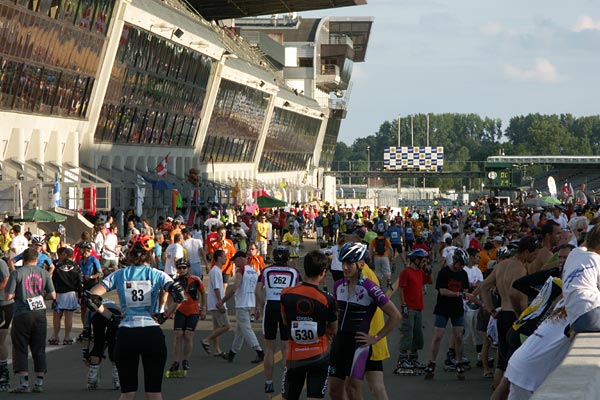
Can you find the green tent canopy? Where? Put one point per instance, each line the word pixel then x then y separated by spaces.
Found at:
pixel 41 216
pixel 269 202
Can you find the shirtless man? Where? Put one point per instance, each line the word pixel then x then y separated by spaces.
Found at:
pixel 513 302
pixel 551 234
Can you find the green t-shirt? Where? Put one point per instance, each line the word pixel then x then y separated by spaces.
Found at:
pixel 369 236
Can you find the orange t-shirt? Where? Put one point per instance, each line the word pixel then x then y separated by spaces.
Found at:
pixel 257 263
pixel 229 249
pixel 373 245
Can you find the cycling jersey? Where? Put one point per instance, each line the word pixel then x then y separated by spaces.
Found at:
pixel 193 293
pixel 277 277
pixel 138 288
pixel 306 311
pixel 356 310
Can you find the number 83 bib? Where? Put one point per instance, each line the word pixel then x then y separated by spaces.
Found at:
pixel 138 294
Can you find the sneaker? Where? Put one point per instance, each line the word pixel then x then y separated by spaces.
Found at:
pixel 20 389
pixel 229 356
pixel 260 356
pixel 38 388
pixel 269 387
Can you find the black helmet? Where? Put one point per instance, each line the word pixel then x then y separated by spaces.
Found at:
pixel 85 245
pixel 182 262
pixel 461 256
pixel 281 254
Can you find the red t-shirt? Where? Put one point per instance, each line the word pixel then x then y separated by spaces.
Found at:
pixel 412 282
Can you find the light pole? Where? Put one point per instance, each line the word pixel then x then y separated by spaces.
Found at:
pixel 368 158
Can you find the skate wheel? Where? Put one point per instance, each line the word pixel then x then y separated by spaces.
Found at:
pixel 184 374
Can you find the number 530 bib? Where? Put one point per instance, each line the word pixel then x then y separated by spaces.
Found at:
pixel 304 332
pixel 138 293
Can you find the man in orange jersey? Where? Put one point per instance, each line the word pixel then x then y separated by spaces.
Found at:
pixel 229 248
pixel 311 319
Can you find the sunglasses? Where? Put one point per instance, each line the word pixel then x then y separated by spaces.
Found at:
pixel 182 267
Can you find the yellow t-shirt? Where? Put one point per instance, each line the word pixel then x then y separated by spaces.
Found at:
pixel 53 243
pixel 380 349
pixel 5 242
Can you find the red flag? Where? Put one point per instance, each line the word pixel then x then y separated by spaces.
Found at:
pixel 161 169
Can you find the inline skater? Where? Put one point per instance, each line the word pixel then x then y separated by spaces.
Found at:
pixel 310 319
pixel 186 318
pixel 139 334
pixel 105 334
pixel 357 299
pixel 7 308
pixel 410 292
pixel 272 280
pixel 451 284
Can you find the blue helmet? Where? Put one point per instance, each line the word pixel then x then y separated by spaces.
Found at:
pixel 352 252
pixel 418 253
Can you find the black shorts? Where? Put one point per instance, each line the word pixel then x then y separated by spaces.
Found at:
pixel 149 345
pixel 184 322
pixel 397 248
pixel 505 319
pixel 373 365
pixel 482 320
pixel 6 315
pixel 348 359
pixel 315 375
pixel 272 320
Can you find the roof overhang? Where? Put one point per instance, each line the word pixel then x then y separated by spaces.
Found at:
pixel 225 9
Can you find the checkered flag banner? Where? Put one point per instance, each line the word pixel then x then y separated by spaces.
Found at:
pixel 423 158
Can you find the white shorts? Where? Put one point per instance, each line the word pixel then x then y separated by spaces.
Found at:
pixel 67 301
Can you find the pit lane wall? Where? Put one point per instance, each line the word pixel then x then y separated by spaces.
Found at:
pixel 578 376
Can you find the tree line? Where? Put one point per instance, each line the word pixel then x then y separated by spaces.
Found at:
pixel 468 139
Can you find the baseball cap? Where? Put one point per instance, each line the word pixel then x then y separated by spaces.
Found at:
pixel 498 239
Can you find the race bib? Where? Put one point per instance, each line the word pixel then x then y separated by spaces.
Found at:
pixel 304 332
pixel 36 303
pixel 280 281
pixel 138 293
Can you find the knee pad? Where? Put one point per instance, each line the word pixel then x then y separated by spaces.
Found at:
pixel 86 333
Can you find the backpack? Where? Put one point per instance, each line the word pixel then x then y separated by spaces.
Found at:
pixel 380 246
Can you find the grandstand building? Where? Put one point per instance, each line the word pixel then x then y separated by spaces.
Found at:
pixel 97 93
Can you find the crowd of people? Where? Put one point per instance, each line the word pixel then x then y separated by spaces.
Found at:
pixel 499 274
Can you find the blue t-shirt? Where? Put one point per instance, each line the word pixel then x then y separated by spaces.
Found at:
pixel 394 234
pixel 138 288
pixel 42 259
pixel 89 266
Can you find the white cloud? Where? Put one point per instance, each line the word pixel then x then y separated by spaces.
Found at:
pixel 542 71
pixel 586 23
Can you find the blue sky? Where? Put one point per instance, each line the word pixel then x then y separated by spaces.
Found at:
pixel 493 58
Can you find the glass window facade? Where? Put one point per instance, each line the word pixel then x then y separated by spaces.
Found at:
pixel 235 124
pixel 155 93
pixel 329 142
pixel 48 59
pixel 290 143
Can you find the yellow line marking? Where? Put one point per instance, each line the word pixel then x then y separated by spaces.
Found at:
pixel 230 382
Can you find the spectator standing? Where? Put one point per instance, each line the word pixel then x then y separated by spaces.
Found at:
pixel 27 286
pixel 67 280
